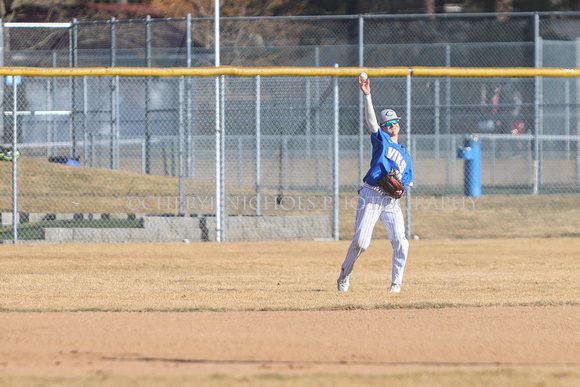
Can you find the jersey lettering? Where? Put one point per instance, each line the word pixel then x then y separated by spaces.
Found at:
pixel 397 157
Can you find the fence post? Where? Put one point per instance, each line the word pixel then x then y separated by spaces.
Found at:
pixel 114 94
pixel 14 160
pixel 308 108
pixel 219 132
pixel 218 158
pixel 240 159
pixel 450 173
pixel 453 161
pixel 49 106
pixel 189 114
pixel 258 145
pixel 188 40
pixel 181 145
pixel 537 102
pixel 317 117
pixel 361 120
pixel 567 116
pixel 409 121
pixel 223 153
pixel 113 48
pixel 2 88
pixel 285 162
pixel 92 139
pixel 85 121
pixel 437 117
pixel 115 133
pixel 74 108
pixel 148 96
pixel 530 158
pixel 75 117
pixel 335 154
pixel 492 159
pixel 143 156
pixel 578 112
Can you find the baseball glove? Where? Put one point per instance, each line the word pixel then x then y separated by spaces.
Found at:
pixel 392 185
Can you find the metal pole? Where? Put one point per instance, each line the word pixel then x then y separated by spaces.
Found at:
pixel 85 121
pixel 361 120
pixel 537 102
pixel 317 116
pixel 437 118
pixel 240 159
pixel 148 96
pixel 49 106
pixel 329 159
pixel 492 161
pixel 113 52
pixel 453 174
pixel 181 146
pixel 308 130
pixel 2 118
pixel 567 116
pixel 285 162
pixel 189 123
pixel 188 40
pixel 92 139
pixel 218 141
pixel 50 119
pixel 113 134
pixel 74 108
pixel 72 35
pixel 14 161
pixel 143 156
pixel 74 127
pixel 258 145
pixel 408 195
pixel 577 112
pixel 189 114
pixel 335 172
pixel 450 171
pixel 530 159
pixel 218 129
pixel 223 153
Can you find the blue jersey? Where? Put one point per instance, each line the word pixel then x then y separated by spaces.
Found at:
pixel 387 154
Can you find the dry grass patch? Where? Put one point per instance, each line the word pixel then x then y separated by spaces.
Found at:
pixel 285 275
pixel 501 377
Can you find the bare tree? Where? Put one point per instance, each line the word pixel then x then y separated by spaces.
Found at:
pixel 7 8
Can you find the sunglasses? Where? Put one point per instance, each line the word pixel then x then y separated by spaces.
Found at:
pixel 391 123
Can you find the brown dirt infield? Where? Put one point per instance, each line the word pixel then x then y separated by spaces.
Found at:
pixel 472 312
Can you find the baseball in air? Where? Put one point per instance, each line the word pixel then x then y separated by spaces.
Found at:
pixel 364 76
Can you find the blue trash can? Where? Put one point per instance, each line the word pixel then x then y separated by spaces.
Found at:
pixel 471 153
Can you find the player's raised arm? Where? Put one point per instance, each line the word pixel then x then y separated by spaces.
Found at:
pixel 365 86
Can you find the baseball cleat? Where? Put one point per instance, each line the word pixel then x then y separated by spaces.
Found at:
pixel 395 288
pixel 343 283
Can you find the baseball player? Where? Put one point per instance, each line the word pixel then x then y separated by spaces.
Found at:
pixel 390 161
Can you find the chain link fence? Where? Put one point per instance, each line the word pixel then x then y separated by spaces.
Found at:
pixel 137 153
pixel 460 40
pixel 113 158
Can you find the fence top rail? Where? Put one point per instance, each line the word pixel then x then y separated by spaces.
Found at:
pixel 291 71
pixel 315 18
pixel 36 25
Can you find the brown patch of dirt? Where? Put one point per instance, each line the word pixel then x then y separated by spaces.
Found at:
pixel 249 343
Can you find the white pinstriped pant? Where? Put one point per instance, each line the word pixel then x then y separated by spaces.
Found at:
pixel 372 205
